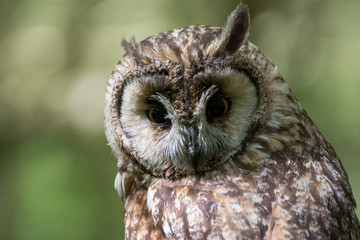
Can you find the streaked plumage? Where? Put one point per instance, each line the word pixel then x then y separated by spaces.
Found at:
pixel 258 170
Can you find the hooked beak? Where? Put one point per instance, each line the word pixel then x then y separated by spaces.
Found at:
pixel 193 146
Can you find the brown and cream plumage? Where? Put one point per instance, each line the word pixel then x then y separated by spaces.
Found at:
pixel 212 144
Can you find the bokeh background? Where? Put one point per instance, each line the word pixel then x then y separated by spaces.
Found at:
pixel 56 170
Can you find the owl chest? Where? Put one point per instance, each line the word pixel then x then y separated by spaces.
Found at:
pixel 199 210
pixel 274 205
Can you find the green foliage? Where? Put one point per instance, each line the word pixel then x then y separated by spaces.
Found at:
pixel 56 171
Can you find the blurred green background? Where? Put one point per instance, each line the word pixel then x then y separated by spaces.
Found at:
pixel 56 170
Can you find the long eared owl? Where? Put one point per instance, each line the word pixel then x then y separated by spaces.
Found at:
pixel 212 144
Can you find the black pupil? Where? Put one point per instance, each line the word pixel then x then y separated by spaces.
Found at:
pixel 217 108
pixel 157 116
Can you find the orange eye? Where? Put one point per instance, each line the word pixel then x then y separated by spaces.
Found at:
pixel 218 107
pixel 156 116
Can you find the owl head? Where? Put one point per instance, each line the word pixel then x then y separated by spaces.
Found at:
pixel 195 100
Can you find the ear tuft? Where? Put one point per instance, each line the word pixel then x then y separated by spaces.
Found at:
pixel 236 31
pixel 132 48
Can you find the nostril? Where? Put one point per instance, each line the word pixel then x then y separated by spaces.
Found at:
pixel 192 135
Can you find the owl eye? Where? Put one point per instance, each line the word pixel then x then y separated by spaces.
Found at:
pixel 218 107
pixel 156 115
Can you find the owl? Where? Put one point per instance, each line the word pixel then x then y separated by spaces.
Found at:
pixel 212 144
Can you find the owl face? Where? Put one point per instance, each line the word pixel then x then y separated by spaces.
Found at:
pixel 193 124
pixel 184 101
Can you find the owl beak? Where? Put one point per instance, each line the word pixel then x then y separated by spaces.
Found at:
pixel 193 146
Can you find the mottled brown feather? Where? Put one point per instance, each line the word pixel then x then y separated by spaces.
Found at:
pixel 284 180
